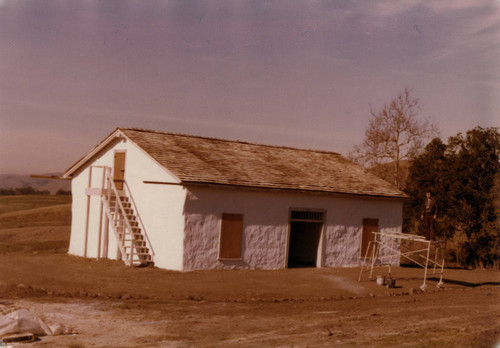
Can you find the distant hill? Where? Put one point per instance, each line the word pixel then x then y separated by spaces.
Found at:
pixel 17 181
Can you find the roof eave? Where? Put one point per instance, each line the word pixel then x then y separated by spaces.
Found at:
pixel 117 133
pixel 300 190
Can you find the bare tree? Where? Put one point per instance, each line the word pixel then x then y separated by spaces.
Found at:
pixel 394 134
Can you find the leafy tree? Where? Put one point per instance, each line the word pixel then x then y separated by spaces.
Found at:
pixel 464 175
pixel 428 172
pixel 476 158
pixel 394 134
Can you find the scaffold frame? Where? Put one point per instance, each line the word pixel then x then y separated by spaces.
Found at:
pixel 387 242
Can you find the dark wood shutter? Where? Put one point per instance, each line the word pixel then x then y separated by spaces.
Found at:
pixel 369 226
pixel 230 236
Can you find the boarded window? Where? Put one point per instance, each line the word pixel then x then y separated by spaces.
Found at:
pixel 230 236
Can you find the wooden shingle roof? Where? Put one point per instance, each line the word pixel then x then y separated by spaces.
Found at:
pixel 201 160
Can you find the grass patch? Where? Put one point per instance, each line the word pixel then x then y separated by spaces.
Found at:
pixel 10 204
pixel 48 245
pixel 4 249
pixel 59 215
pixel 54 245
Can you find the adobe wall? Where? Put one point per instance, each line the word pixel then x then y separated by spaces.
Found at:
pixel 266 226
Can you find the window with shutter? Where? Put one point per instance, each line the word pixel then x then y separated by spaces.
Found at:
pixel 231 236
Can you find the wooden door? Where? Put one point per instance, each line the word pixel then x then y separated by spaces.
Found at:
pixel 369 226
pixel 119 170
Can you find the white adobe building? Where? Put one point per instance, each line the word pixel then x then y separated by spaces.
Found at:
pixel 189 203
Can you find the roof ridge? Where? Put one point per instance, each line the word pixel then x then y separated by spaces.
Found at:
pixel 226 140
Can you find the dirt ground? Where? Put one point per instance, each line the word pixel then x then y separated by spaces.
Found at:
pixel 106 304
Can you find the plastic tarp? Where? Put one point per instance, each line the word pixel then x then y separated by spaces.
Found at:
pixel 23 320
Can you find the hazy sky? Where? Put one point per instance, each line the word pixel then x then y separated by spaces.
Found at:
pixel 296 73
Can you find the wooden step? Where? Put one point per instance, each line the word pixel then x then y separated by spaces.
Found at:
pixel 137 247
pixel 129 240
pixel 123 202
pixel 137 242
pixel 122 227
pixel 124 205
pixel 142 263
pixel 119 216
pixel 122 198
pixel 137 257
pixel 132 244
pixel 121 223
pixel 121 220
pixel 127 211
pixel 139 253
pixel 137 235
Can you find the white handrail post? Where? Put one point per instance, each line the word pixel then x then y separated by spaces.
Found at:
pixel 440 284
pixel 108 185
pixel 435 257
pixel 424 285
pixel 364 260
pixel 132 239
pixel 374 252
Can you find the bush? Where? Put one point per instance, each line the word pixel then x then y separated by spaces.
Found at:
pixel 63 192
pixel 22 191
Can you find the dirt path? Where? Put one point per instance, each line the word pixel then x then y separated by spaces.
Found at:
pixel 458 317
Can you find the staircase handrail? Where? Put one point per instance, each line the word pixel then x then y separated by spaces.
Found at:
pixel 140 221
pixel 108 214
pixel 111 184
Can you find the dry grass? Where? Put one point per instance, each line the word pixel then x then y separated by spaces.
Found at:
pixel 59 215
pixel 35 223
pixel 10 204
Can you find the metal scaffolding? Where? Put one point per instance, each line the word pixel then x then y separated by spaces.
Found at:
pixel 391 244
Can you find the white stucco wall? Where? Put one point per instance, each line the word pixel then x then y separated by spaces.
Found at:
pixel 266 226
pixel 160 206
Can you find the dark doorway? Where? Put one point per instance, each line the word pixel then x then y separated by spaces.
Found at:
pixel 305 235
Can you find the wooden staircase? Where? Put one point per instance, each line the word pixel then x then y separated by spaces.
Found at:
pixel 132 240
